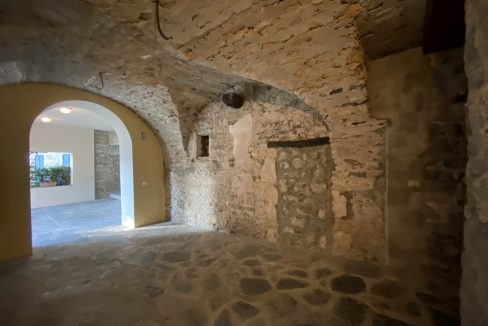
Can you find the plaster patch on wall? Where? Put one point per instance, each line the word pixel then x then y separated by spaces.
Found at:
pixel 241 132
pixel 268 171
pixel 339 204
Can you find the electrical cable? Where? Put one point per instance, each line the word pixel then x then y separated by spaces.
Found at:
pixel 158 23
pixel 101 82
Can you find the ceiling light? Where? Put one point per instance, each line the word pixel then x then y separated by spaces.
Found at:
pixel 46 119
pixel 65 110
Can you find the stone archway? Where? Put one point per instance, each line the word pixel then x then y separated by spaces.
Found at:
pixel 144 175
pixel 126 155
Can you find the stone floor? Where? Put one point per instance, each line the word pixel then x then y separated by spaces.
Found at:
pixel 75 222
pixel 179 275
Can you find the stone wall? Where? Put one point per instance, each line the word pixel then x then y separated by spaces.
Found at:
pixel 236 188
pixel 304 198
pixel 107 163
pixel 423 97
pixel 474 291
pixel 391 26
pixel 243 187
pixel 312 50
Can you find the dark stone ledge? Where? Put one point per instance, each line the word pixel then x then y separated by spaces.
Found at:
pixel 300 143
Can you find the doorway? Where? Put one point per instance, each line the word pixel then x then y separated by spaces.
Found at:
pixel 74 172
pixel 141 160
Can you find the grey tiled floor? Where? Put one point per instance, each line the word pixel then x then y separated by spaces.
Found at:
pixel 75 222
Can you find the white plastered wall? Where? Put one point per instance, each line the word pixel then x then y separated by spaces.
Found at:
pixel 126 159
pixel 46 137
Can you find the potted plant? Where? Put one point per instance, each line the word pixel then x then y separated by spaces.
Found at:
pixel 61 175
pixel 51 177
pixel 44 176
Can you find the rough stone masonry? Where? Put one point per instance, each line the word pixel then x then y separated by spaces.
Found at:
pixel 304 66
pixel 107 165
pixel 170 83
pixel 474 293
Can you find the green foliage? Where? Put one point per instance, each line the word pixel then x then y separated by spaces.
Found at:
pixel 59 174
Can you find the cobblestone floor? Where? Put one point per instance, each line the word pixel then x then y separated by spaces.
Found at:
pixel 178 275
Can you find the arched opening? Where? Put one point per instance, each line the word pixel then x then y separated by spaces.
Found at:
pixel 141 170
pixel 70 172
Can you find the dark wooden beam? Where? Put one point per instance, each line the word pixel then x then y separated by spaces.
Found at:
pixel 445 26
pixel 300 143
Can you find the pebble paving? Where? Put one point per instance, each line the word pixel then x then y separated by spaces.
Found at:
pixel 180 275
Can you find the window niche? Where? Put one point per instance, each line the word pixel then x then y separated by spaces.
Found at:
pixel 50 169
pixel 203 146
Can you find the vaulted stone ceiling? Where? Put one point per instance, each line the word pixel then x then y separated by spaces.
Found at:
pixel 214 46
pixel 71 42
pixel 390 26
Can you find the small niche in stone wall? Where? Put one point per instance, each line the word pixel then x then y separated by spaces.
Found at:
pixel 203 146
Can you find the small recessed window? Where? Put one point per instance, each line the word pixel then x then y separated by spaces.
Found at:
pixel 203 146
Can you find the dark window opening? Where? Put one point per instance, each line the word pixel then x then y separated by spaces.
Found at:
pixel 203 146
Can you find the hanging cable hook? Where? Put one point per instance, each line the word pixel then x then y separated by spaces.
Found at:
pixel 100 74
pixel 159 23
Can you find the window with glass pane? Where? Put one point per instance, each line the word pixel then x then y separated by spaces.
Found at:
pixel 50 169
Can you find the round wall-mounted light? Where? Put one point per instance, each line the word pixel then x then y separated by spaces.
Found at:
pixel 46 119
pixel 65 110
